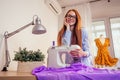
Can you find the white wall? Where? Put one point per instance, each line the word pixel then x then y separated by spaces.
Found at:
pixel 17 13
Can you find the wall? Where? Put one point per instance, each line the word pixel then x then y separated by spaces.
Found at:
pixel 17 13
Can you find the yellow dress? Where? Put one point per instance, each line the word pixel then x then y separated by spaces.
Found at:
pixel 103 57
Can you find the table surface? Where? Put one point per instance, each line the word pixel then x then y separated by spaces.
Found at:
pixel 14 75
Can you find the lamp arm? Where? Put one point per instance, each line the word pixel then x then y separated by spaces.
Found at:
pixel 7 56
pixel 18 30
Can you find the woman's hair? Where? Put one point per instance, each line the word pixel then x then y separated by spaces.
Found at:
pixel 77 30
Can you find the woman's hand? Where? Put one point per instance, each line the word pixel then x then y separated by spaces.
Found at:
pixel 78 53
pixel 66 24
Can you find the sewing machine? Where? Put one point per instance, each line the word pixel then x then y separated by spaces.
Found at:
pixel 55 55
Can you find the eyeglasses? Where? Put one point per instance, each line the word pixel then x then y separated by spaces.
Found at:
pixel 71 16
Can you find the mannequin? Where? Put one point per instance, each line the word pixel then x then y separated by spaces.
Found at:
pixel 102 39
pixel 103 57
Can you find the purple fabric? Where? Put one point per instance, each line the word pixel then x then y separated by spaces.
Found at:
pixel 75 71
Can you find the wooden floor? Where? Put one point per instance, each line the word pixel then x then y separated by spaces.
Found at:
pixel 12 75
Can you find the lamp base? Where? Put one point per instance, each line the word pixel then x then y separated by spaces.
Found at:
pixel 4 69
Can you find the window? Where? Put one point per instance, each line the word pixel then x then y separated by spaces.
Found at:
pixel 109 27
pixel 115 29
pixel 98 28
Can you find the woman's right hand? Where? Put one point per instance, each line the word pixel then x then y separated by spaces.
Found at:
pixel 66 24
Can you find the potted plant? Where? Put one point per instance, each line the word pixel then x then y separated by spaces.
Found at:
pixel 28 59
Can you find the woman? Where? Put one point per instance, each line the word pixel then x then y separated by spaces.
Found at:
pixel 72 33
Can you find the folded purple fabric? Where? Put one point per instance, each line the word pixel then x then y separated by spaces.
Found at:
pixel 75 71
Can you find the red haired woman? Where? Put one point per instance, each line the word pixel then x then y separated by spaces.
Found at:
pixel 72 33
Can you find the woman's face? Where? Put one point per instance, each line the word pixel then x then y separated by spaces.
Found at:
pixel 71 18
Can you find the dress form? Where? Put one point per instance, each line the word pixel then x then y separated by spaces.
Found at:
pixel 103 58
pixel 102 39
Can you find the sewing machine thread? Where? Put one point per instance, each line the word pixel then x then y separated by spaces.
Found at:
pixel 53 45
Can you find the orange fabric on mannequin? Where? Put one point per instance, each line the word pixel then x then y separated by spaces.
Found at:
pixel 103 56
pixel 77 30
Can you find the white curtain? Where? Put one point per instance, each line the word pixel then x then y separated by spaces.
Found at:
pixel 85 13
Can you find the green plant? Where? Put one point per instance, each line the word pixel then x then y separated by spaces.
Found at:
pixel 24 55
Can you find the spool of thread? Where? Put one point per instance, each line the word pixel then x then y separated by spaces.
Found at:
pixel 53 44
